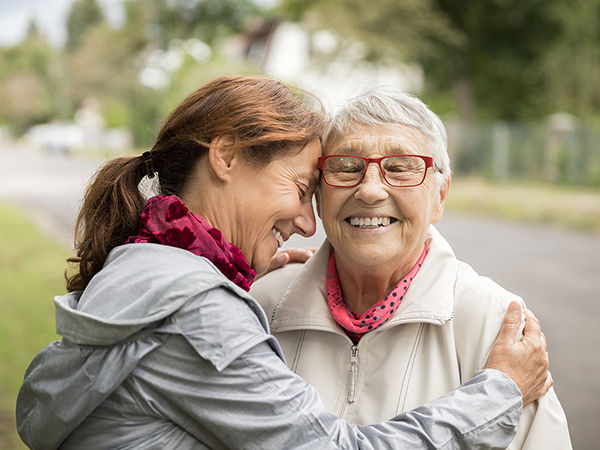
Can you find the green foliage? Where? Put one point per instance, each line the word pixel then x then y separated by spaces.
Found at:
pixel 530 203
pixel 115 111
pixel 497 60
pixel 390 28
pixel 192 75
pixel 145 114
pixel 508 59
pixel 572 63
pixel 207 20
pixel 84 15
pixel 105 64
pixel 491 59
pixel 39 83
pixel 28 82
pixel 107 61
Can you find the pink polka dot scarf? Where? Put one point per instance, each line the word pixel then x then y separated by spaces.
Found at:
pixel 166 220
pixel 357 325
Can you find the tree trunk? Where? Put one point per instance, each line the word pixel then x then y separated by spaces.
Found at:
pixel 463 93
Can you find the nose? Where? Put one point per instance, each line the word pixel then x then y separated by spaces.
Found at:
pixel 305 223
pixel 373 187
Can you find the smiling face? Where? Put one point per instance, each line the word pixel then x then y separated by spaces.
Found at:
pixel 375 224
pixel 273 202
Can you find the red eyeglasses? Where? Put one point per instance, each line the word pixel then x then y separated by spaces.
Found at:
pixel 397 170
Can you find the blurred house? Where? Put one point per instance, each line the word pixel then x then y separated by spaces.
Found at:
pixel 55 137
pixel 319 61
pixel 87 132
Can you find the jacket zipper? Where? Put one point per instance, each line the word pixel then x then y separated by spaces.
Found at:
pixel 353 374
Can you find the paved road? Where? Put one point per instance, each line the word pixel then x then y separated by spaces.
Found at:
pixel 48 187
pixel 556 272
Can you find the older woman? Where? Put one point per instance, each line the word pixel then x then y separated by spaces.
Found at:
pixel 162 345
pixel 384 317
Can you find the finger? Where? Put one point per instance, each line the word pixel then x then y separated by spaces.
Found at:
pixel 298 255
pixel 543 341
pixel 280 259
pixel 531 316
pixel 511 322
pixel 532 325
pixel 547 383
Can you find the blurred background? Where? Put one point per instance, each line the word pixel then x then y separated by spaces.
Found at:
pixel 515 82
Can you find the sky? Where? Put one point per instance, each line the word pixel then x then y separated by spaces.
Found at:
pixel 50 16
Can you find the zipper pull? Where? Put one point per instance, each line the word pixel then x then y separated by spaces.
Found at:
pixel 353 374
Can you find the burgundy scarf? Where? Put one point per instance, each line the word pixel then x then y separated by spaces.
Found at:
pixel 166 220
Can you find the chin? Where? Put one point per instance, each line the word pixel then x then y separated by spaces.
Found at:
pixel 260 265
pixel 372 256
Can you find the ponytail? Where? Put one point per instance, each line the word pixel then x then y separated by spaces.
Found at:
pixel 110 213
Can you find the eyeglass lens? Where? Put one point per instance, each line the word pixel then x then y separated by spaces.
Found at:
pixel 397 170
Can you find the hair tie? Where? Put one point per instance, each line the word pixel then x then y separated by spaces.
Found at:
pixel 147 158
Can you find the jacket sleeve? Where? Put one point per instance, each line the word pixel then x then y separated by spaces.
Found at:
pixel 254 401
pixel 480 308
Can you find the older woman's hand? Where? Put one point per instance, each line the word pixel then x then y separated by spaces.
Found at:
pixel 287 256
pixel 525 360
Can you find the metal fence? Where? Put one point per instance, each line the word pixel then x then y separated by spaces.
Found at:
pixel 559 150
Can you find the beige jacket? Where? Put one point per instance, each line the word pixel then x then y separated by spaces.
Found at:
pixel 439 336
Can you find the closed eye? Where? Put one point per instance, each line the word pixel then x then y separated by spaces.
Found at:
pixel 302 191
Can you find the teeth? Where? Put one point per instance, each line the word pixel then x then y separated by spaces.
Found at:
pixel 370 222
pixel 277 235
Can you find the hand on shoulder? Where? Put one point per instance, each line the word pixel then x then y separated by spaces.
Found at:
pixel 288 256
pixel 524 360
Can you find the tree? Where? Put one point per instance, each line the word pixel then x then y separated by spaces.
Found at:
pixel 494 71
pixel 107 62
pixel 28 82
pixel 207 20
pixel 39 83
pixel 487 53
pixel 84 15
pixel 571 65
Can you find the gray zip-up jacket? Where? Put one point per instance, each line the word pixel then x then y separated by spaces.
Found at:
pixel 162 351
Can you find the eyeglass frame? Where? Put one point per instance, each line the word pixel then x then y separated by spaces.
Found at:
pixel 427 159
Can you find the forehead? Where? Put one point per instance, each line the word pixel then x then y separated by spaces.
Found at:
pixel 380 139
pixel 303 163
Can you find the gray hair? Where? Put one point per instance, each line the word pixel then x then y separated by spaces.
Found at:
pixel 380 106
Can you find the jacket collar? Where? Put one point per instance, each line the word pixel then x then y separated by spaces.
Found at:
pixel 429 299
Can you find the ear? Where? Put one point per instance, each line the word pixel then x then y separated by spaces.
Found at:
pixel 444 190
pixel 222 157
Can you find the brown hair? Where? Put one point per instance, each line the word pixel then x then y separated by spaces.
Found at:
pixel 265 119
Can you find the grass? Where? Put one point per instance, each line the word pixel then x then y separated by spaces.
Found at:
pixel 31 266
pixel 577 209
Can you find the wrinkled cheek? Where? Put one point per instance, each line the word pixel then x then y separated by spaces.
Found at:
pixel 411 229
pixel 330 219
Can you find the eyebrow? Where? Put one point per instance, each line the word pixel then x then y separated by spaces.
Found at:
pixel 310 178
pixel 391 147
